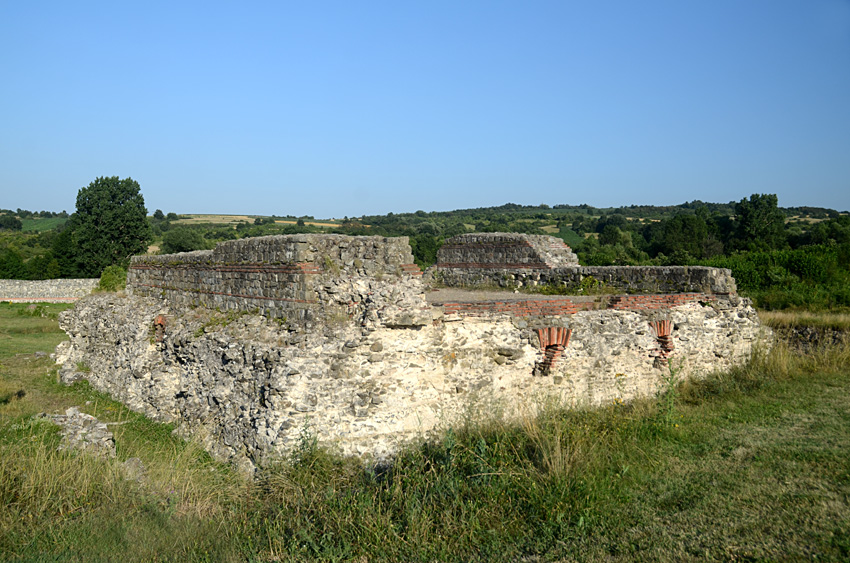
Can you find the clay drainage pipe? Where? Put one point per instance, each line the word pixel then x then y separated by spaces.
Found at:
pixel 553 341
pixel 159 327
pixel 663 335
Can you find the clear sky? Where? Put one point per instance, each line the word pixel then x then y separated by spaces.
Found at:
pixel 350 108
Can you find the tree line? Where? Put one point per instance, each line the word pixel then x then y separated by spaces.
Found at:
pixel 765 245
pixel 109 225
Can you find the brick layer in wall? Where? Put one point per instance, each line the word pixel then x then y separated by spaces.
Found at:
pixel 284 283
pixel 565 306
pixel 496 265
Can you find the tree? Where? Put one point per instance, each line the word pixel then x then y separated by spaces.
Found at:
pixel 110 224
pixel 684 234
pixel 761 224
pixel 10 222
pixel 64 251
pixel 182 239
pixel 612 235
pixel 159 215
pixel 12 265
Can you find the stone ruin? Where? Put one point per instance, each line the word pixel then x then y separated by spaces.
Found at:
pixel 511 260
pixel 254 343
pixel 301 278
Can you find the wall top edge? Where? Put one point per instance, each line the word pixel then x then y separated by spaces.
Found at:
pixel 274 244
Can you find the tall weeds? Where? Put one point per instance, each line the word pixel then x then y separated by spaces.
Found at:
pixel 555 480
pixel 40 485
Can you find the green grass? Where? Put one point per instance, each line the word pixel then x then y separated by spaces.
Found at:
pixel 784 319
pixel 753 464
pixel 39 225
pixel 25 331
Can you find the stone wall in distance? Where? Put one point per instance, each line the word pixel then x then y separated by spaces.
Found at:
pixel 513 260
pixel 505 251
pixel 610 279
pixel 56 291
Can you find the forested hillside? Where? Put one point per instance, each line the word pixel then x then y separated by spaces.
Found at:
pixel 782 257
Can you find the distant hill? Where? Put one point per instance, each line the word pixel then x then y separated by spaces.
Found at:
pixel 40 224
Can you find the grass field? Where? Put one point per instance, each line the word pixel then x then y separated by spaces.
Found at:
pixel 213 219
pixel 39 225
pixel 234 219
pixel 778 319
pixel 749 465
pixel 314 223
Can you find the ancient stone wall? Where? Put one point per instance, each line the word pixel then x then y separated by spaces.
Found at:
pixel 505 251
pixel 56 291
pixel 506 260
pixel 278 276
pixel 373 363
pixel 251 386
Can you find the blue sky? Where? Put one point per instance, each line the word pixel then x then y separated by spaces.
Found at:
pixel 351 108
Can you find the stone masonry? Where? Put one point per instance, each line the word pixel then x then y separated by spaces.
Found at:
pixel 506 251
pixel 287 276
pixel 55 291
pixel 375 360
pixel 512 260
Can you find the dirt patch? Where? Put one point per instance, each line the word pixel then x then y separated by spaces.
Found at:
pixel 455 295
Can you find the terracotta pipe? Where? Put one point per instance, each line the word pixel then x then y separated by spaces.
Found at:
pixel 663 335
pixel 553 341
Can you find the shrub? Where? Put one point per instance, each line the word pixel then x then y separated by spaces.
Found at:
pixel 113 278
pixel 183 239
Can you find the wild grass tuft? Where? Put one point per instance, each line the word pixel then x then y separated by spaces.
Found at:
pixel 779 319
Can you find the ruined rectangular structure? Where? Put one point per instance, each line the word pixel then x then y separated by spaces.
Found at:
pixel 278 276
pixel 370 356
pixel 515 260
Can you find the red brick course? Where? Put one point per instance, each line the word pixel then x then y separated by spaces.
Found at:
pixel 205 292
pixel 498 265
pixel 566 306
pixel 297 268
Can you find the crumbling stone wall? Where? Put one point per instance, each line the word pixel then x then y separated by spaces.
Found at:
pixel 56 291
pixel 372 364
pixel 286 276
pixel 505 251
pixel 250 386
pixel 506 260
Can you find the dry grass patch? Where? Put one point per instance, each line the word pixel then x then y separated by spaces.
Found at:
pixel 313 223
pixel 781 319
pixel 213 219
pixel 750 464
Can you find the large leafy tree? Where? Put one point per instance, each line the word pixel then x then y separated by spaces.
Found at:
pixel 761 224
pixel 183 239
pixel 10 222
pixel 110 224
pixel 689 234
